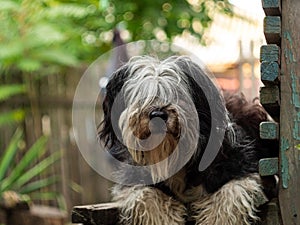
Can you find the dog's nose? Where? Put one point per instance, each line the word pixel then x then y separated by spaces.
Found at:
pixel 161 114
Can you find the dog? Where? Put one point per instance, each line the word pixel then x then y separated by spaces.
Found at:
pixel 163 117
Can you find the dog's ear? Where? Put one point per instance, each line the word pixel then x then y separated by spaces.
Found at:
pixel 109 133
pixel 207 98
pixel 212 113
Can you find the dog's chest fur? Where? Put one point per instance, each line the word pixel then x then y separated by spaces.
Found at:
pixel 182 190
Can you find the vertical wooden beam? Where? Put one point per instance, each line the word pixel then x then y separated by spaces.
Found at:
pixel 289 190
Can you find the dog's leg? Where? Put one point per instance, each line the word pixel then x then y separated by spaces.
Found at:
pixel 232 204
pixel 148 206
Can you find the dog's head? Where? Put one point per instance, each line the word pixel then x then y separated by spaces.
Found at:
pixel 161 112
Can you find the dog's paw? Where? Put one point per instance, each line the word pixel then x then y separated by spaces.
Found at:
pixel 233 204
pixel 149 206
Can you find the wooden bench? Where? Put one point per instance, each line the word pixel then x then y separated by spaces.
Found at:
pixel 108 214
pixel 23 214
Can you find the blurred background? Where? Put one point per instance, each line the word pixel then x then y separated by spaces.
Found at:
pixel 45 48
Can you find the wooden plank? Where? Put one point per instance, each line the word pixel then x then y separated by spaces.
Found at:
pixel 108 213
pixel 268 166
pixel 270 53
pixel 101 214
pixel 269 130
pixel 272 7
pixel 272 29
pixel 261 199
pixel 289 194
pixel 269 95
pixel 270 213
pixel 38 214
pixel 270 72
pixel 269 98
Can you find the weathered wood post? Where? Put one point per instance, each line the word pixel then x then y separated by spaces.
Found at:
pixel 270 57
pixel 289 190
pixel 280 72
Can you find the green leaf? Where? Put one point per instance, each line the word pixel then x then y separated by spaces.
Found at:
pixel 68 10
pixel 37 169
pixel 61 202
pixel 58 56
pixel 29 65
pixel 76 187
pixel 10 153
pixel 11 50
pixel 44 196
pixel 44 34
pixel 34 152
pixel 36 185
pixel 103 4
pixel 12 117
pixel 9 5
pixel 7 91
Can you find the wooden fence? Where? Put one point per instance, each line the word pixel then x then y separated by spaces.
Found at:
pixel 49 112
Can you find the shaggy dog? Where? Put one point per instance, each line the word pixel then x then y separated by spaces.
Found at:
pixel 197 161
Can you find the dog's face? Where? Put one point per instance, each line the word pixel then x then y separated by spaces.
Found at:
pixel 152 132
pixel 158 113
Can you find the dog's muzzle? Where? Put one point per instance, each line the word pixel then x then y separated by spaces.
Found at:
pixel 158 119
pixel 152 133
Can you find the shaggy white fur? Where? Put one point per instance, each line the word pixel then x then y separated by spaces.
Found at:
pixel 152 83
pixel 233 204
pixel 141 205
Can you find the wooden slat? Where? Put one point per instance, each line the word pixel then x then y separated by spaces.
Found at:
pixel 38 214
pixel 269 98
pixel 268 130
pixel 272 29
pixel 270 53
pixel 270 72
pixel 261 199
pixel 268 166
pixel 272 7
pixel 101 214
pixel 269 95
pixel 270 213
pixel 289 194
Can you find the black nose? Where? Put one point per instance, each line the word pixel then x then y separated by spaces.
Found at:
pixel 161 114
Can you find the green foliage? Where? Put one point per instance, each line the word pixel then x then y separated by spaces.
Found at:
pixel 9 154
pixel 19 176
pixel 7 91
pixel 61 33
pixel 22 175
pixel 163 19
pixel 14 115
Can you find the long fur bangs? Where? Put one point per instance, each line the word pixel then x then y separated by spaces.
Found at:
pixel 151 80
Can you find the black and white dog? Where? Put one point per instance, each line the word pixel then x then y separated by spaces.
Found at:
pixel 169 116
